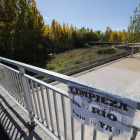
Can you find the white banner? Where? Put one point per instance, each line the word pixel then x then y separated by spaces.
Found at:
pixel 107 113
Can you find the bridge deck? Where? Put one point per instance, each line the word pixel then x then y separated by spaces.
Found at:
pixel 15 121
pixel 122 75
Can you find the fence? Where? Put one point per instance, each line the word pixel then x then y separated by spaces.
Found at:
pixel 90 64
pixel 49 106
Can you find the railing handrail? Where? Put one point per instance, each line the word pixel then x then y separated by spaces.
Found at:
pixel 60 91
pixel 64 79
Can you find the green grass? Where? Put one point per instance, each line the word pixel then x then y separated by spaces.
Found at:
pixel 77 56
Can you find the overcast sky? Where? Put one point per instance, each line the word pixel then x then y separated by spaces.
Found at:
pixel 95 14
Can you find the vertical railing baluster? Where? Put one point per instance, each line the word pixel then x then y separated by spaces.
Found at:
pixel 64 116
pixel 4 73
pixel 72 128
pixel 35 102
pixel 82 131
pixel 0 74
pixel 44 106
pixel 94 134
pixel 14 92
pixel 39 102
pixel 30 94
pixel 134 134
pixel 6 81
pixel 16 86
pixel 19 88
pixel 22 92
pixel 3 78
pixel 110 138
pixel 50 109
pixel 56 113
pixel 26 94
pixel 11 83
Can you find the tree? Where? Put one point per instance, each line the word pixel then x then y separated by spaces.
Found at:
pixel 119 36
pixel 107 33
pixel 124 35
pixel 134 26
pixel 22 30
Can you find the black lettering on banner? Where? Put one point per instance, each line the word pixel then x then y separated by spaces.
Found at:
pixel 97 98
pixel 91 96
pixel 103 113
pixel 103 100
pixel 113 103
pixel 83 118
pixel 112 117
pixel 80 91
pixel 124 106
pixel 77 90
pixel 95 110
pixel 109 128
pixel 76 103
pixel 78 115
pixel 102 124
pixel 71 89
pixel 84 93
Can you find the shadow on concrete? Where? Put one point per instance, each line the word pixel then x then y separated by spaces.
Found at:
pixel 12 128
pixel 3 135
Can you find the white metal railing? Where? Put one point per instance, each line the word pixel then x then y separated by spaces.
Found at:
pixel 47 105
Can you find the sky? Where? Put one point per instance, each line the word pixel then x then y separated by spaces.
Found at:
pixel 95 14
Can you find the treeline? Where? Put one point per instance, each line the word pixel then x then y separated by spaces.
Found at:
pixel 25 37
pixel 65 37
pixel 21 31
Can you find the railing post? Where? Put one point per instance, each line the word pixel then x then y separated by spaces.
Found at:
pixel 132 50
pixel 26 91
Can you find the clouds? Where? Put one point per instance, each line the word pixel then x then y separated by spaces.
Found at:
pixel 45 18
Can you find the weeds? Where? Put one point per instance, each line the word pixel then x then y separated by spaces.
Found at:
pixel 77 56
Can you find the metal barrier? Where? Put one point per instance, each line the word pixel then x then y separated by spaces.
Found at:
pixel 45 104
pixel 93 63
pixel 74 69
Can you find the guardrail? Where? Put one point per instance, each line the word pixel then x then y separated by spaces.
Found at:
pixel 46 104
pixel 74 69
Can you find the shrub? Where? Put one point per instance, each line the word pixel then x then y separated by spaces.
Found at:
pixel 77 62
pixel 111 51
pixel 87 45
pixel 100 52
pixel 108 51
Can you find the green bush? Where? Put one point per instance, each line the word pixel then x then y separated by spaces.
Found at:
pixel 77 62
pixel 87 45
pixel 100 52
pixel 111 51
pixel 108 51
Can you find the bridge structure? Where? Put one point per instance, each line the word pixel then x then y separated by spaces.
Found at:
pixel 110 43
pixel 48 106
